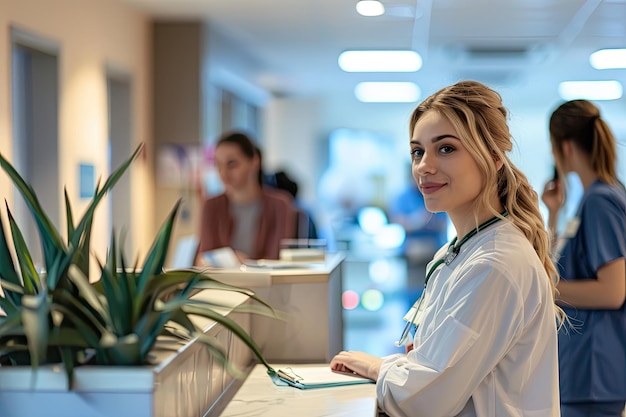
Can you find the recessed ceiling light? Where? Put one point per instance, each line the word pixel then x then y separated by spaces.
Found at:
pixel 380 61
pixel 608 59
pixel 387 92
pixel 370 8
pixel 590 90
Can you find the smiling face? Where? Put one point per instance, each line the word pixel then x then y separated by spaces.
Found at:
pixel 446 173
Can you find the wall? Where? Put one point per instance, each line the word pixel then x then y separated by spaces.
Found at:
pixel 291 137
pixel 178 114
pixel 92 35
pixel 292 122
pixel 95 33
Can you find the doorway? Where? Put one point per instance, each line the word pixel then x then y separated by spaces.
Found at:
pixel 35 91
pixel 120 140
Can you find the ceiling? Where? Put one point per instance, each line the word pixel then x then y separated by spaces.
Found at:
pixel 521 46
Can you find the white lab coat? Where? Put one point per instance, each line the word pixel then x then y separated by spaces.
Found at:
pixel 487 342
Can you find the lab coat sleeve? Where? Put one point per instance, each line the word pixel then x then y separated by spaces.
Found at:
pixel 473 328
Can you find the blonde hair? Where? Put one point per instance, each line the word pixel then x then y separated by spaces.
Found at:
pixel 579 121
pixel 477 114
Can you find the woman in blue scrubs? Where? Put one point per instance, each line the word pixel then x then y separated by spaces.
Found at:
pixel 590 252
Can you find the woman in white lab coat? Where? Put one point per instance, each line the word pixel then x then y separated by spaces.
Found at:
pixel 486 338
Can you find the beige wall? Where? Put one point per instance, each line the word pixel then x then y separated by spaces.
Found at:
pixel 92 35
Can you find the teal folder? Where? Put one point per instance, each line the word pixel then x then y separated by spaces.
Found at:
pixel 310 377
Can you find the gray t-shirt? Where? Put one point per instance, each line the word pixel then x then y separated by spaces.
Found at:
pixel 246 218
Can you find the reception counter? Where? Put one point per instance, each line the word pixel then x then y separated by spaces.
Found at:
pixel 309 294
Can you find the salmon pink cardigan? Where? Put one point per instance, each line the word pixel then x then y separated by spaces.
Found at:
pixel 277 220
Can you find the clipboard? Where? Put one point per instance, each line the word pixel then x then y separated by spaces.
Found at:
pixel 313 377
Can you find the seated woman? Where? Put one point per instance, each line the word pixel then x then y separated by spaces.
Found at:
pixel 248 217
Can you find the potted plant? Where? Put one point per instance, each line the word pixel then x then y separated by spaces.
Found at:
pixel 115 322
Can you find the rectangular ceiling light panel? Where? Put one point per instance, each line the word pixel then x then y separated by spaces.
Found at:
pixel 590 90
pixel 380 61
pixel 608 59
pixel 387 92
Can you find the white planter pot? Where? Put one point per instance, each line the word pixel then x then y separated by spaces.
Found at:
pixel 185 383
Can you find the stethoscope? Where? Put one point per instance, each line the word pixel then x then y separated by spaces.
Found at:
pixel 453 250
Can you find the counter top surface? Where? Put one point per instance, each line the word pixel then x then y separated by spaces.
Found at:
pixel 285 272
pixel 259 397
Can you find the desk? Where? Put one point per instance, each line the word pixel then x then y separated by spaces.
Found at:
pixel 259 397
pixel 311 298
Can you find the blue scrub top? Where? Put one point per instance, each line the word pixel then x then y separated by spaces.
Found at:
pixel 592 356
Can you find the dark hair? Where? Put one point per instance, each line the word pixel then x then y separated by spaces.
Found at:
pixel 245 144
pixel 282 181
pixel 579 121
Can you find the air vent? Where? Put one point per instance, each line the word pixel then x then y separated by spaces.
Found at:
pixel 496 55
pixel 489 53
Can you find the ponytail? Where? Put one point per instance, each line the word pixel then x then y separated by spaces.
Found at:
pixel 579 121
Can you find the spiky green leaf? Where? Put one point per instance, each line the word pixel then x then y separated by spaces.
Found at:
pixel 155 260
pixel 219 353
pixel 86 291
pixel 11 324
pixel 69 217
pixel 35 319
pixel 8 272
pixel 99 195
pixel 50 238
pixel 228 324
pixel 30 277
